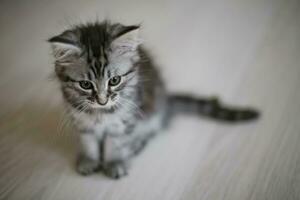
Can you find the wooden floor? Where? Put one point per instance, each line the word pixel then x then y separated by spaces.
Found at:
pixel 246 52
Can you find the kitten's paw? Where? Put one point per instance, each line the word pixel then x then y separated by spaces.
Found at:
pixel 115 170
pixel 86 166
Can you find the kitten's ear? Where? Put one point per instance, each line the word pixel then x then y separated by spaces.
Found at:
pixel 65 45
pixel 127 39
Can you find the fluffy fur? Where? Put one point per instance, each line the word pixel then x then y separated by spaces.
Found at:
pixel 115 95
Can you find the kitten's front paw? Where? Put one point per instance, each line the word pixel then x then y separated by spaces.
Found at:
pixel 115 170
pixel 86 166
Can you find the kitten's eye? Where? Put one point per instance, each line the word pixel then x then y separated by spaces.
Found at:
pixel 114 80
pixel 86 85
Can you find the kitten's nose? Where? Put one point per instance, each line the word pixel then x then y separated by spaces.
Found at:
pixel 102 99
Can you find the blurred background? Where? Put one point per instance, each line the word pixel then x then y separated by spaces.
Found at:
pixel 246 52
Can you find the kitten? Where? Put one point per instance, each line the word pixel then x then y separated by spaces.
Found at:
pixel 115 96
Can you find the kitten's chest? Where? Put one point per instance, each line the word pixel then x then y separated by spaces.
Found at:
pixel 111 125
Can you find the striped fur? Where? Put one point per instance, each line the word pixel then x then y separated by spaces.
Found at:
pixel 115 122
pixel 210 108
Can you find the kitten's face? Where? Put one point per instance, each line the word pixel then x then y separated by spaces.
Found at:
pixel 97 85
pixel 96 70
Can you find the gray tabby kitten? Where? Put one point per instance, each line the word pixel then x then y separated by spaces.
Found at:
pixel 115 96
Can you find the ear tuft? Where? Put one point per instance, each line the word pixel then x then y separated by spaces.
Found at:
pixel 127 40
pixel 65 45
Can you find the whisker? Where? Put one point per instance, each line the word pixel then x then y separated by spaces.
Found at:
pixel 134 106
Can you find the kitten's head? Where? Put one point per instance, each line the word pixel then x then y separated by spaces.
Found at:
pixel 95 64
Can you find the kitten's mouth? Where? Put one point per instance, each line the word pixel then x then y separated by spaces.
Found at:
pixel 96 105
pixel 108 106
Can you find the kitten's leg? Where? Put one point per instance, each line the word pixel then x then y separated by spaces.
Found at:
pixel 115 163
pixel 118 153
pixel 89 158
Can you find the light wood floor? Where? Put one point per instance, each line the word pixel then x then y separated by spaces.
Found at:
pixel 246 52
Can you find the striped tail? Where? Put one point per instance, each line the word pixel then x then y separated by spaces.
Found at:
pixel 211 108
